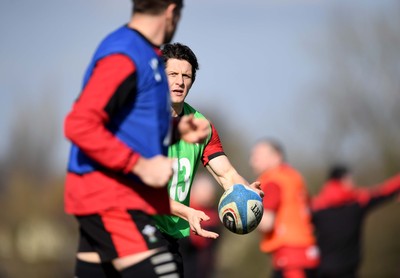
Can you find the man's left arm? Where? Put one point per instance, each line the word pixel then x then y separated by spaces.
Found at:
pixel 219 166
pixel 224 173
pixel 384 192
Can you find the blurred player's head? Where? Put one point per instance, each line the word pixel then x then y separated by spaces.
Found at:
pixel 203 192
pixel 342 173
pixel 181 66
pixel 154 7
pixel 265 155
pixel 169 9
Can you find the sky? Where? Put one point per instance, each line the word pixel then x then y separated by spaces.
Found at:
pixel 257 59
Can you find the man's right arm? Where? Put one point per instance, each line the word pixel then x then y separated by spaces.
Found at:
pixel 193 217
pixel 111 86
pixel 105 92
pixel 271 202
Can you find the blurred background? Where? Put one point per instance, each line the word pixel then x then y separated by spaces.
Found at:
pixel 320 76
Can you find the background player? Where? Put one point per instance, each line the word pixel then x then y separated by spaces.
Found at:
pixel 286 228
pixel 341 204
pixel 181 66
pixel 119 127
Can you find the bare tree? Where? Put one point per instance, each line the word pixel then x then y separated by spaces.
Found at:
pixel 359 93
pixel 358 100
pixel 32 138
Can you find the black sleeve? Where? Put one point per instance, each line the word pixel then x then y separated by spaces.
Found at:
pixel 378 199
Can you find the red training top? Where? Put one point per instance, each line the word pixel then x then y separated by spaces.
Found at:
pixel 85 126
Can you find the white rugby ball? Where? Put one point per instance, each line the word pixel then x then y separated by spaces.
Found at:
pixel 240 209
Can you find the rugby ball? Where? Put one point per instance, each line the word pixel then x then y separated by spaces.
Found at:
pixel 240 209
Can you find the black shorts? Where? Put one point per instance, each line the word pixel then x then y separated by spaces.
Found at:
pixel 117 233
pixel 295 273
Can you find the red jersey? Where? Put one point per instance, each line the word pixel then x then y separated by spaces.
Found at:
pixel 339 214
pixel 85 126
pixel 291 241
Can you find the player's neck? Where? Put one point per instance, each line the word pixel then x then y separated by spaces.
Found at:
pixel 151 27
pixel 177 110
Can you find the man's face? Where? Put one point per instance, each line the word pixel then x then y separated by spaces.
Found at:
pixel 179 73
pixel 263 157
pixel 348 181
pixel 172 25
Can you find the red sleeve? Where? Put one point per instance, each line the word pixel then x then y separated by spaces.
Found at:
pixel 389 187
pixel 213 147
pixel 383 192
pixel 272 196
pixel 85 123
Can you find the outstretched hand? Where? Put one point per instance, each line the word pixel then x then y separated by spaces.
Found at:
pixel 195 218
pixel 193 130
pixel 256 186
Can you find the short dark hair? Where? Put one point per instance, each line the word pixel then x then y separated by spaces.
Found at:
pixel 338 171
pixel 154 7
pixel 181 52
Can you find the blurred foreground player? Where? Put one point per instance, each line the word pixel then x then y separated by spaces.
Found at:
pixel 120 129
pixel 287 232
pixel 339 211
